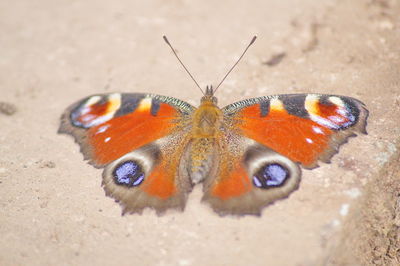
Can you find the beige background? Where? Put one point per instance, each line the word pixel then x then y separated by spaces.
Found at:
pixel 52 53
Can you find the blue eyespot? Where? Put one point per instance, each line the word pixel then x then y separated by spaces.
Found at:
pixel 128 173
pixel 271 175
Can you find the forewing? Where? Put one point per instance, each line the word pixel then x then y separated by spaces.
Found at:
pixel 108 126
pixel 303 127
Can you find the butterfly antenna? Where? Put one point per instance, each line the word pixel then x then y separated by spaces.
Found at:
pixel 173 50
pixel 230 70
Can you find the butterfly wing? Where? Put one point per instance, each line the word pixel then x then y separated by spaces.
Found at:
pixel 303 127
pixel 248 177
pixel 131 135
pixel 268 138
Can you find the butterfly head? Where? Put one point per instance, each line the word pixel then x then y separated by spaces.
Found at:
pixel 209 96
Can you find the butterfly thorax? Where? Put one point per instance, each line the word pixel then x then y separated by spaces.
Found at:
pixel 206 119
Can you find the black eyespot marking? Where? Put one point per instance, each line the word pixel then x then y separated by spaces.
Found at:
pixel 129 103
pixel 324 100
pixel 295 105
pixel 344 117
pixel 271 175
pixel 264 107
pixel 83 116
pixel 128 173
pixel 155 106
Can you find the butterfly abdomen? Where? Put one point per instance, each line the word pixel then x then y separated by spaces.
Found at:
pixel 202 158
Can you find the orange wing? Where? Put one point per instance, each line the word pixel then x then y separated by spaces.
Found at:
pixel 130 134
pixel 109 126
pixel 302 127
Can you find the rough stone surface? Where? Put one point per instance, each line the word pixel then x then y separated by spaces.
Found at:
pixel 52 208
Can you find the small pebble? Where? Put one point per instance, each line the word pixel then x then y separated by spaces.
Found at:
pixel 275 59
pixel 47 164
pixel 7 108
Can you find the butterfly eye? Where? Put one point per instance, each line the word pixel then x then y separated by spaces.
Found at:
pixel 271 175
pixel 128 173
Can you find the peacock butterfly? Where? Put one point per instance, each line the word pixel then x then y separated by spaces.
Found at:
pixel 154 148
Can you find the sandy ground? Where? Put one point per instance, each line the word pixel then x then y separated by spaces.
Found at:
pixel 53 210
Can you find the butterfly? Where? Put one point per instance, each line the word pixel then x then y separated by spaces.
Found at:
pixel 248 154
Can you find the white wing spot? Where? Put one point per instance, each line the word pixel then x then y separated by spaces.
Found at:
pixel 102 129
pixel 311 104
pixel 309 140
pixel 336 100
pixel 87 118
pixel 342 112
pixel 107 139
pixel 92 100
pixel 317 130
pixel 114 101
pixel 145 105
pixel 336 119
pixel 276 104
pixel 324 122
